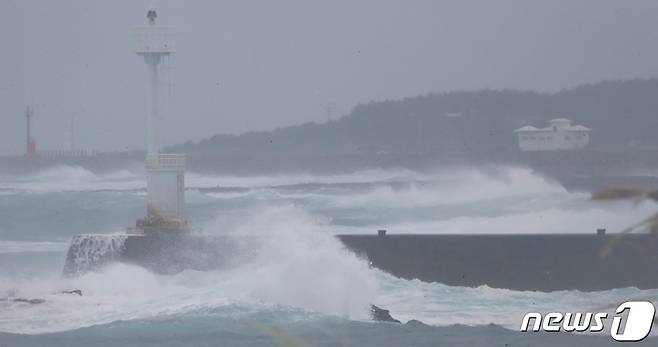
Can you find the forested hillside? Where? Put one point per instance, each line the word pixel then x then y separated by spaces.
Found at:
pixel 623 115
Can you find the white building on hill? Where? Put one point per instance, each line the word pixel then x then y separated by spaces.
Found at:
pixel 559 135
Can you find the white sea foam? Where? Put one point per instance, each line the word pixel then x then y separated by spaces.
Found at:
pixel 545 221
pixel 75 178
pixel 363 176
pixel 298 266
pixel 410 190
pixel 438 304
pixel 450 188
pixel 124 292
pixel 459 183
pixel 28 246
pixel 72 178
pixel 512 200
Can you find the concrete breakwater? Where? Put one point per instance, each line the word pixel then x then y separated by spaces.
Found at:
pixel 545 262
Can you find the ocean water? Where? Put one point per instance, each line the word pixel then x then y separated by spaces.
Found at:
pixel 303 284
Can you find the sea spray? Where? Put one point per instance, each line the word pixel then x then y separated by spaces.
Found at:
pixel 91 252
pixel 288 266
pixel 253 288
pixel 63 178
pixel 291 260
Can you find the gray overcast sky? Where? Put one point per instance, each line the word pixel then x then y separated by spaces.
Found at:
pixel 256 65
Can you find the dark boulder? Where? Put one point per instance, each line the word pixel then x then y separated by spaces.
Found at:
pixel 381 315
pixel 30 301
pixel 74 291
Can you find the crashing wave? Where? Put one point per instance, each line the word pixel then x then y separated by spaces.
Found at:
pixel 90 252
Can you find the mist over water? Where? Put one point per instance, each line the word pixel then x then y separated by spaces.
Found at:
pixel 295 270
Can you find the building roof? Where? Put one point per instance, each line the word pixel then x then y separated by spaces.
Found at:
pixel 560 120
pixel 578 128
pixel 568 127
pixel 527 128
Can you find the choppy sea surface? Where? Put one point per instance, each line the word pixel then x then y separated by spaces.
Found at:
pixel 304 286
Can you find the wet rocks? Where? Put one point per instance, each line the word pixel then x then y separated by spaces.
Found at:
pixel 381 315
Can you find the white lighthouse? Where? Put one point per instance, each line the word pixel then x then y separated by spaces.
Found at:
pixel 166 172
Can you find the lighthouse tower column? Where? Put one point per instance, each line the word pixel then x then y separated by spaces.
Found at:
pixel 166 171
pixel 153 146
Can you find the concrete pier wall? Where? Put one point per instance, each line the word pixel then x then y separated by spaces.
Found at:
pixel 172 253
pixel 520 262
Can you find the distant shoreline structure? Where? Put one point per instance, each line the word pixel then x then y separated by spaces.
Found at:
pixel 67 153
pixel 560 134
